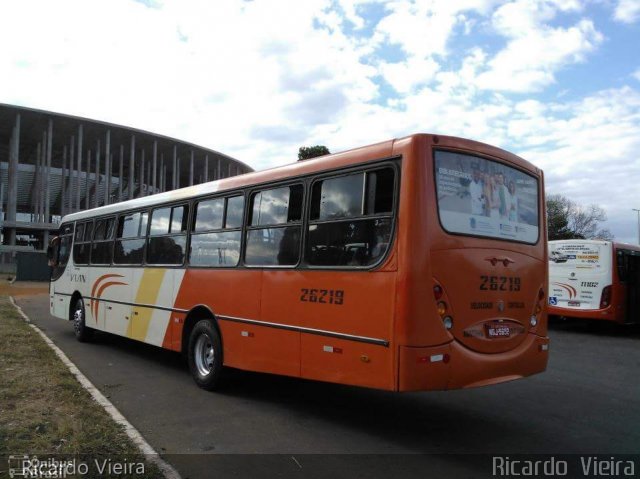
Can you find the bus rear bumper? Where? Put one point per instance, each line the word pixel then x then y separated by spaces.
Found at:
pixel 606 314
pixel 453 366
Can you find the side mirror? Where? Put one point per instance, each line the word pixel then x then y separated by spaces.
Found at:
pixel 52 251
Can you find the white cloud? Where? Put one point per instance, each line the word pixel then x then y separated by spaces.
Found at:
pixel 627 11
pixel 636 74
pixel 536 50
pixel 423 28
pixel 256 80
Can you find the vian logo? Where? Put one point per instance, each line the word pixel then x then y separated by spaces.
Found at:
pixel 77 278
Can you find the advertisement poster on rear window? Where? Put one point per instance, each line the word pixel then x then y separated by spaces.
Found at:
pixel 481 197
pixel 576 255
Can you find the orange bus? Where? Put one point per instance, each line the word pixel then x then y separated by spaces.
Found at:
pixel 418 263
pixel 593 279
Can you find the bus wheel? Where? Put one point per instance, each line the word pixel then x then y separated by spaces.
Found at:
pixel 205 355
pixel 83 333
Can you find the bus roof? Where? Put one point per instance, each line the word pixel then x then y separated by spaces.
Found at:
pixel 354 156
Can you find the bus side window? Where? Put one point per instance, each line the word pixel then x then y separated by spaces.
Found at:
pixel 215 241
pixel 82 247
pixel 624 264
pixel 65 242
pixel 129 244
pixel 102 247
pixel 167 241
pixel 350 219
pixel 273 234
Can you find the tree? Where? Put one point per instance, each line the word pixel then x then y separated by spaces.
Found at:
pixel 567 219
pixel 307 152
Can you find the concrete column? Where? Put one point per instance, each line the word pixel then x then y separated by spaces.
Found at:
pixel 12 191
pixel 164 179
pixel 79 167
pixel 110 183
pixel 162 173
pixel 230 171
pixel 121 173
pixel 63 185
pixel 96 183
pixel 47 198
pixel 155 165
pixel 178 174
pixel 107 167
pixel 206 168
pixel 71 173
pixel 219 169
pixel 87 178
pixel 43 162
pixel 191 161
pixel 174 181
pixel 148 178
pixel 132 157
pixel 36 184
pixel 141 191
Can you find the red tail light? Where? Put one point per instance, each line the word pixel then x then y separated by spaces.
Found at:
pixel 605 299
pixel 437 292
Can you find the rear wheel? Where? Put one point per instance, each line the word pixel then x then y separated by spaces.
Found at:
pixel 205 355
pixel 82 332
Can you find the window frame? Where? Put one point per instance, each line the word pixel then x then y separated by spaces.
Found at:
pixel 392 163
pixel 540 195
pixel 142 236
pixel 305 180
pixel 248 211
pixel 242 228
pixel 115 219
pixel 189 206
pixel 84 223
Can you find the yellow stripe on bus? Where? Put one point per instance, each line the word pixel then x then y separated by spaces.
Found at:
pixel 148 290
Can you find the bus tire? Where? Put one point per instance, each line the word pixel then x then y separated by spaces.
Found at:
pixel 82 332
pixel 205 355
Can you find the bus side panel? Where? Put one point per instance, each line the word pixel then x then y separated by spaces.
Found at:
pixel 416 308
pixel 347 362
pixel 227 293
pixel 109 288
pixel 355 303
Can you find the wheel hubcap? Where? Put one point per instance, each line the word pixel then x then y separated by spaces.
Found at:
pixel 77 319
pixel 204 355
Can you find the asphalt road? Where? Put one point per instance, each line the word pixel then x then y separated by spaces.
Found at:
pixel 259 425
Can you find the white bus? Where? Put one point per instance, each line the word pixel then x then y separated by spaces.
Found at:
pixel 593 279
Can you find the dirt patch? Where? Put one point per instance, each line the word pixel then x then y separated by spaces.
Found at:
pixel 20 288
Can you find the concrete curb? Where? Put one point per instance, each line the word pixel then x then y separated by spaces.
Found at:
pixel 145 448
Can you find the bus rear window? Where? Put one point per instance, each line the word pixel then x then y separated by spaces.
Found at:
pixel 480 197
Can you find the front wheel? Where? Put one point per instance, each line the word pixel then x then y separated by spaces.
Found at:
pixel 82 332
pixel 205 355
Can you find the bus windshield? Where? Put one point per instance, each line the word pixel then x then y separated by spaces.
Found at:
pixel 481 197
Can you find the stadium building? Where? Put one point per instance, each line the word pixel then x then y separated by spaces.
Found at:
pixel 53 164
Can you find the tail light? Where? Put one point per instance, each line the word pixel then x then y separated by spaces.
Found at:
pixel 533 320
pixel 605 299
pixel 441 307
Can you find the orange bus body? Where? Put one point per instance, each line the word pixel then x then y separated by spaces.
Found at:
pixel 388 332
pixel 618 307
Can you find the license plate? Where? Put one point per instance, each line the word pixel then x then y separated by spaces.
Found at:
pixel 574 303
pixel 498 331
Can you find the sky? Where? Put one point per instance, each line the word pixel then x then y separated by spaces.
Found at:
pixel 554 81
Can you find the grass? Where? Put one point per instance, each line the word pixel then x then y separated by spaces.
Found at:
pixel 43 409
